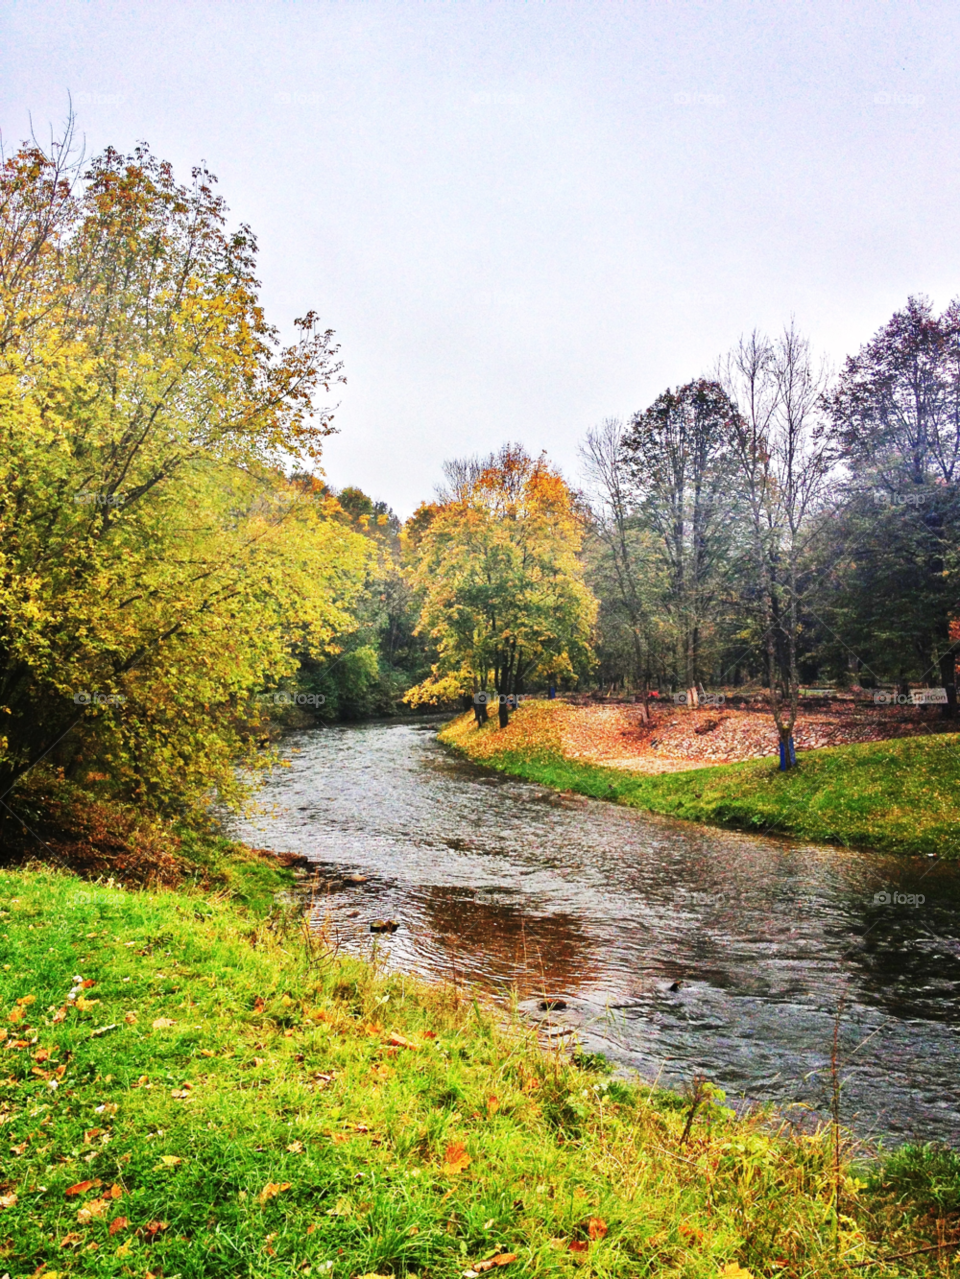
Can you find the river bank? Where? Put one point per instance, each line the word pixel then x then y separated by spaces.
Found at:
pixel 194 1089
pixel 896 796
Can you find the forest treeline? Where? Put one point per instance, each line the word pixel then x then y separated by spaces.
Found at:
pixel 178 579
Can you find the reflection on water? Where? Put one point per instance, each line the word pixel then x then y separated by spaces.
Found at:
pixel 505 884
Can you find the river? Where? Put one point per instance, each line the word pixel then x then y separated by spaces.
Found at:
pixel 501 883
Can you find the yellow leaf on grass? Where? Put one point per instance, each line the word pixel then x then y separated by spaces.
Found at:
pixel 95 1208
pixel 115 1192
pixel 733 1270
pixel 130 1018
pixel 16 1014
pixel 456 1158
pixel 493 1105
pixel 596 1227
pixel 162 1023
pixel 69 1239
pixel 26 1001
pixel 169 1161
pixel 83 1004
pixel 82 1186
pixel 295 1148
pixel 273 1188
pixel 60 1014
pixel 8 1201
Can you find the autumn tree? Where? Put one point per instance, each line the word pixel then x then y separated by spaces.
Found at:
pixel 495 564
pixel 158 569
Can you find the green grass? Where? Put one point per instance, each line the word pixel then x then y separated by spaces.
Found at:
pixel 243 1103
pixel 898 796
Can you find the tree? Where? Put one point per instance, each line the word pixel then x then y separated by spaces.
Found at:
pixel 895 418
pixel 782 466
pixel 157 566
pixel 678 464
pixel 502 590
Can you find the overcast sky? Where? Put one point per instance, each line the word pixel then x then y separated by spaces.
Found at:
pixel 521 218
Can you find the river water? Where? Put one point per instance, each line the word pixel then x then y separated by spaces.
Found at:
pixel 503 884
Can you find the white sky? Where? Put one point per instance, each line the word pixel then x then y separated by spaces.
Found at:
pixel 521 218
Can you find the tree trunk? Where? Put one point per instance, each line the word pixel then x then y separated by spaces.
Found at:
pixel 948 678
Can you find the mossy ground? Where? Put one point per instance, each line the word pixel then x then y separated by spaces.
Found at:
pixel 222 1096
pixel 898 796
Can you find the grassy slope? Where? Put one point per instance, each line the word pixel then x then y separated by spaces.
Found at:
pixel 897 796
pixel 234 1102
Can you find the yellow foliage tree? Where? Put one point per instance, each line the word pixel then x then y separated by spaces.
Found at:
pixel 502 588
pixel 157 569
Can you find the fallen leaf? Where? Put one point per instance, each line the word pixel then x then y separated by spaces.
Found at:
pixel 169 1161
pixel 69 1239
pixel 95 1208
pixel 26 1001
pixel 295 1148
pixel 493 1105
pixel 273 1188
pixel 579 1245
pixel 501 1259
pixel 18 1150
pixel 733 1270
pixel 154 1227
pixel 16 1014
pixel 130 1018
pixel 60 1014
pixel 163 1023
pixel 84 1005
pixel 89 1135
pixel 124 1250
pixel 108 1108
pixel 8 1201
pixel 207 1052
pixel 88 983
pixel 258 1004
pixel 180 1094
pixel 456 1158
pixel 118 1224
pixel 42 1054
pixel 429 1034
pixel 596 1227
pixel 115 1192
pixel 82 1187
pixel 398 1041
pixel 311 1228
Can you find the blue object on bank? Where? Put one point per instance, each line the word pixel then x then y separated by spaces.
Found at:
pixel 552 693
pixel 787 752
